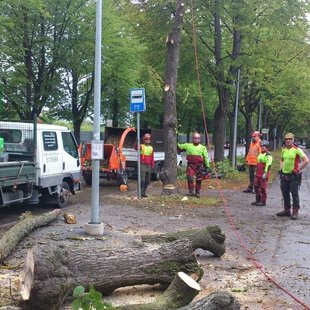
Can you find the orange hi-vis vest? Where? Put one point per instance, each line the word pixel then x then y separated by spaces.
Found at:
pixel 254 150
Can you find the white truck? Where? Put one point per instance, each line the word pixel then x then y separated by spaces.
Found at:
pixel 39 163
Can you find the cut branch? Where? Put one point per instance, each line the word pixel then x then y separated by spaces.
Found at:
pixel 27 224
pixel 211 238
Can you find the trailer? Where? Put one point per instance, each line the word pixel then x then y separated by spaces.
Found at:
pixel 113 134
pixel 113 164
pixel 119 144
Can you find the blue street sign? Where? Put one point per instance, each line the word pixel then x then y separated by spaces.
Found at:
pixel 137 100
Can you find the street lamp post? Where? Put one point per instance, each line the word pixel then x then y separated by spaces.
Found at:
pixel 95 227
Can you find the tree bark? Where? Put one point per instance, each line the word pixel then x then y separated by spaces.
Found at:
pixel 215 301
pixel 58 268
pixel 211 238
pixel 169 172
pixel 27 224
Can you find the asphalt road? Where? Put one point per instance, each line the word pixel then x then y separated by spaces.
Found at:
pixel 281 245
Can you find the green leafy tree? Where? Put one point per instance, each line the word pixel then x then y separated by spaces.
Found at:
pixel 32 38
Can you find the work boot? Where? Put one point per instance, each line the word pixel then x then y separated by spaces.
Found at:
pixel 285 212
pixel 261 204
pixel 249 190
pixel 191 193
pixel 197 194
pixel 255 203
pixel 294 215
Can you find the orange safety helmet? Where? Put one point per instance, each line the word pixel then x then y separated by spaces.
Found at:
pixel 147 136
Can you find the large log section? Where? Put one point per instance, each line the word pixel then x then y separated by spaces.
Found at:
pixel 211 238
pixel 59 269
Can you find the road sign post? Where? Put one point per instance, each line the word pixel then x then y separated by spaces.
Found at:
pixel 137 105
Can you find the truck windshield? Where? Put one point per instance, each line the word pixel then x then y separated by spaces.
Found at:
pixel 69 144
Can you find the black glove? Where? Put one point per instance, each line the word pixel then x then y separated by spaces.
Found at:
pixel 205 170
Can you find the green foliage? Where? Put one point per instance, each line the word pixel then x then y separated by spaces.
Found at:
pixel 240 160
pixel 225 168
pixel 181 173
pixel 91 300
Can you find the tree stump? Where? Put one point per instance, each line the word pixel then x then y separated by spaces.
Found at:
pixel 182 290
pixel 169 189
pixel 59 268
pixel 211 238
pixel 178 296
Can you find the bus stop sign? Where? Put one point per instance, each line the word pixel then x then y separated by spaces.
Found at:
pixel 137 100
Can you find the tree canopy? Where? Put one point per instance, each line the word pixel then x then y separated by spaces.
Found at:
pixel 47 63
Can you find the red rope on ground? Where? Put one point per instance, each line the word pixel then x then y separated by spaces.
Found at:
pixel 232 224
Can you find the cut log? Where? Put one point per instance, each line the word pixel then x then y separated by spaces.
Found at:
pixel 27 224
pixel 215 301
pixel 58 269
pixel 69 218
pixel 182 290
pixel 211 238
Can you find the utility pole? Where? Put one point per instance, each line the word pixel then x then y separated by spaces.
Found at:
pixel 95 227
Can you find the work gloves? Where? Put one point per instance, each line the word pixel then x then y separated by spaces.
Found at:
pixel 264 176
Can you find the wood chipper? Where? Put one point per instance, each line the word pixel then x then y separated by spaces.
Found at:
pixel 113 164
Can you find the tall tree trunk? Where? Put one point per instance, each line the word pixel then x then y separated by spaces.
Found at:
pixel 169 173
pixel 115 111
pixel 224 81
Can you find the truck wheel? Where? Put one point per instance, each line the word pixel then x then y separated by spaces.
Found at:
pixel 63 197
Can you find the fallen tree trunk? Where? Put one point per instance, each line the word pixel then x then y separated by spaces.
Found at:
pixel 20 230
pixel 58 269
pixel 211 238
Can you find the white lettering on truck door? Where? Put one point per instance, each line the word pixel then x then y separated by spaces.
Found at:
pixel 52 155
